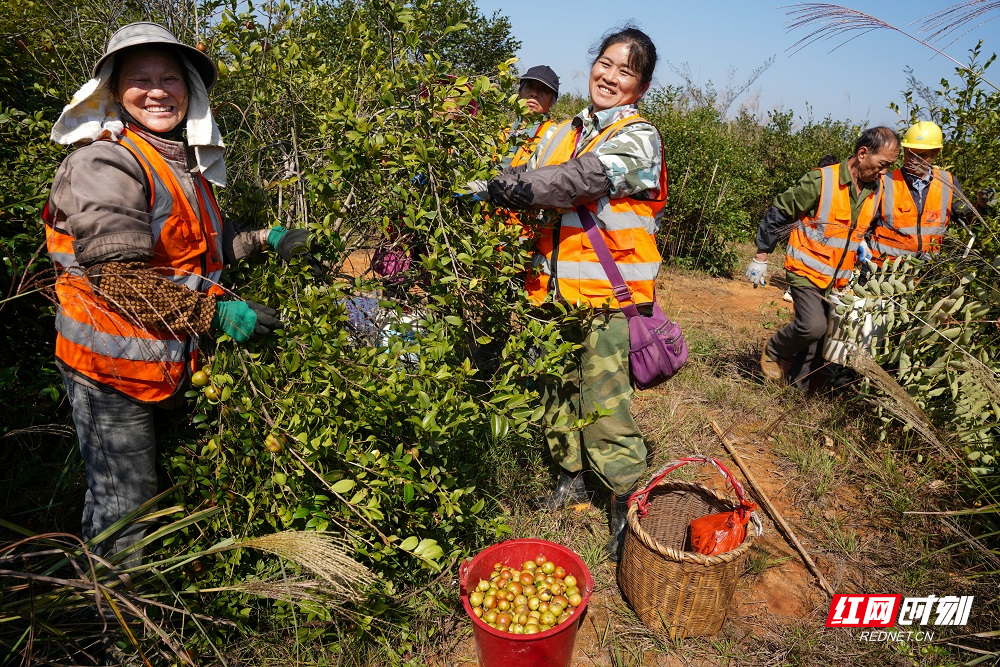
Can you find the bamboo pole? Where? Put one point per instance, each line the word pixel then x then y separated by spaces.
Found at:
pixel 771 510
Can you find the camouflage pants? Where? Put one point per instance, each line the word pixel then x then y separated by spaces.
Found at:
pixel 597 377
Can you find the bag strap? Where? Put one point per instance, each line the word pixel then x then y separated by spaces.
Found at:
pixel 618 286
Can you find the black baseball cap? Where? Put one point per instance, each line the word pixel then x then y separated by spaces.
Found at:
pixel 544 74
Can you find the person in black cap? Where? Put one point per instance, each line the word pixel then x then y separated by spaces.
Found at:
pixel 539 90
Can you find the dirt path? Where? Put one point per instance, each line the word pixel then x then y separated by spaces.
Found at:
pixel 721 306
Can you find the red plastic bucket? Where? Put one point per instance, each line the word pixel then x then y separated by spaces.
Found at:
pixel 552 648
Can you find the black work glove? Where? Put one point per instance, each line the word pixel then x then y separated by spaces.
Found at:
pixel 517 196
pixel 267 320
pixel 292 242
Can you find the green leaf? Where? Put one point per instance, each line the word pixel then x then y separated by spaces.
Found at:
pixel 429 549
pixel 501 426
pixel 343 486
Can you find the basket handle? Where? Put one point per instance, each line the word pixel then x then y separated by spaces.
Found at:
pixel 641 498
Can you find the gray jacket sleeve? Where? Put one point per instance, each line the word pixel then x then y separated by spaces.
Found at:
pixel 99 197
pixel 577 181
pixel 238 243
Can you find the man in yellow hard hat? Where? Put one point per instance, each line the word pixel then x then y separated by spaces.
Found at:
pixel 919 199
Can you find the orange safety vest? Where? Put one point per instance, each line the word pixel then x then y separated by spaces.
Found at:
pixel 525 150
pixel 523 154
pixel 824 247
pixel 95 339
pixel 905 231
pixel 627 225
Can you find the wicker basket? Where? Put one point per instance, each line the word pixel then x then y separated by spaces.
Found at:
pixel 675 591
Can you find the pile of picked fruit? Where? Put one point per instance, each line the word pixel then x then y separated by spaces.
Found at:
pixel 524 602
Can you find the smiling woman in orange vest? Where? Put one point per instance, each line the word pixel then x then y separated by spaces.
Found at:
pixel 610 160
pixel 138 243
pixel 920 199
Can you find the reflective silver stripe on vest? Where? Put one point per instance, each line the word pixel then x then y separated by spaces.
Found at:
pixel 925 230
pixel 213 277
pixel 163 201
pixel 817 265
pixel 946 187
pixel 557 139
pixel 64 260
pixel 613 220
pixel 818 234
pixel 892 251
pixel 192 281
pixel 213 219
pixel 120 347
pixel 594 271
pixel 195 281
pixel 889 201
pixel 826 193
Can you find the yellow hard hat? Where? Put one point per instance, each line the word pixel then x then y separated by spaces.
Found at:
pixel 924 136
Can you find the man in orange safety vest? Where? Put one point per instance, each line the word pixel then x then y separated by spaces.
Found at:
pixel 828 212
pixel 919 199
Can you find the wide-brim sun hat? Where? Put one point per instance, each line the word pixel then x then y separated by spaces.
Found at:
pixel 151 34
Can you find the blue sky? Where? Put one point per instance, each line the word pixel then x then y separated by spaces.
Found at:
pixel 856 81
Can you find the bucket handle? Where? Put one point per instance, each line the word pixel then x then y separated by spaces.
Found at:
pixel 641 497
pixel 463 574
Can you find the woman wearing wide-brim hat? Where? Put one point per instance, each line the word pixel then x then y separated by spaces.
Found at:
pixel 139 243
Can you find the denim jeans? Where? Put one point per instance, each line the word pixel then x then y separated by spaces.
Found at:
pixel 119 452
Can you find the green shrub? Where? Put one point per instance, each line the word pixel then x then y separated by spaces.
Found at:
pixel 724 172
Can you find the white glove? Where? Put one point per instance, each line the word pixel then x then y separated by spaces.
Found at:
pixel 478 190
pixel 864 252
pixel 757 273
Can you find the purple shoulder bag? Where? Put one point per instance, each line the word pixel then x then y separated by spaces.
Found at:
pixel 656 347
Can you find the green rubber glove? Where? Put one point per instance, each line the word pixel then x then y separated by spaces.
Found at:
pixel 245 320
pixel 288 242
pixel 275 235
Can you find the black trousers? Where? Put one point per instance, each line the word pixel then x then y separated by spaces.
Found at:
pixel 800 344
